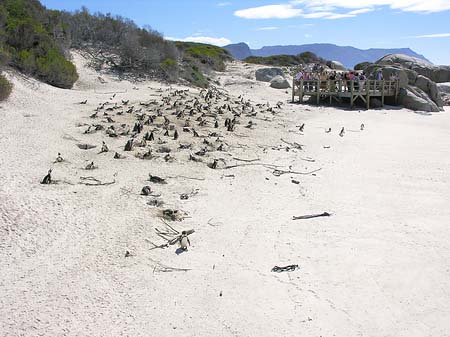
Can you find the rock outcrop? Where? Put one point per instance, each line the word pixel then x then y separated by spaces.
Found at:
pixel 417 80
pixel 279 82
pixel 268 74
pixel 438 74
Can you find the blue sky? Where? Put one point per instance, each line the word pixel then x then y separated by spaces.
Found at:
pixel 422 25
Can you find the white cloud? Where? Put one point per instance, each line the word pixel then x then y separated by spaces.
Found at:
pixel 338 9
pixel 224 4
pixel 432 36
pixel 404 5
pixel 267 28
pixel 269 12
pixel 217 41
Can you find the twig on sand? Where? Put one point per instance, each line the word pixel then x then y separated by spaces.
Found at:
pixel 184 177
pixel 294 145
pixel 251 164
pixel 310 216
pixel 166 269
pixel 91 181
pixel 278 173
pixel 246 160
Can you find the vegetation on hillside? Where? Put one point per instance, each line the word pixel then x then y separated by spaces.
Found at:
pixel 36 41
pixel 31 41
pixel 198 59
pixel 5 88
pixel 286 60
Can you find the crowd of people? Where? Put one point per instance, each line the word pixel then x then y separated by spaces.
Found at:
pixel 316 72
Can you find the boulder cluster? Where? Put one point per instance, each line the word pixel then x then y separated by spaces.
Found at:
pixel 422 84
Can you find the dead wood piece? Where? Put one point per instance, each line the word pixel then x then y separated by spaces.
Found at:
pixel 246 160
pixel 91 181
pixel 278 173
pixel 310 216
pixel 291 267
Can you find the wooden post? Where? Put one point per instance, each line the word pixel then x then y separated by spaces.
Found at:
pixel 339 89
pixel 301 90
pixel 397 91
pixel 318 92
pixel 329 89
pixel 293 89
pixel 351 93
pixel 368 94
pixel 382 93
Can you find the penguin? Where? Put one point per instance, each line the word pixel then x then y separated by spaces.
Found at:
pixel 166 133
pixel 195 133
pixel 59 159
pixel 175 135
pixel 302 127
pixel 213 165
pixel 129 145
pixel 48 178
pixel 184 241
pixel 342 133
pixel 362 127
pixel 328 131
pixel 216 124
pixel 146 190
pixel 90 166
pixel 151 137
pixel 104 148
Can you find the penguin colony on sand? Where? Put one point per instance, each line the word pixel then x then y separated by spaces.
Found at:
pixel 156 123
pixel 188 120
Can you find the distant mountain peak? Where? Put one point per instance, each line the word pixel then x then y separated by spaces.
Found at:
pixel 347 55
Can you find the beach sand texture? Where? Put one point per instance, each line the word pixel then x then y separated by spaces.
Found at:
pixel 379 266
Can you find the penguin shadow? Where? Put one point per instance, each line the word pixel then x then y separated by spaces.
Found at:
pixel 180 251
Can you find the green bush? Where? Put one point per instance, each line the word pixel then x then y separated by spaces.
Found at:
pixel 170 68
pixel 54 69
pixel 5 88
pixel 30 41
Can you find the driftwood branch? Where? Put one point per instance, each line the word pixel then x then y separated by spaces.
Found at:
pixel 246 160
pixel 278 173
pixel 184 177
pixel 310 216
pixel 251 164
pixel 91 181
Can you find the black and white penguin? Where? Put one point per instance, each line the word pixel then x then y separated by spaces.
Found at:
pixel 104 148
pixel 342 133
pixel 48 178
pixel 184 241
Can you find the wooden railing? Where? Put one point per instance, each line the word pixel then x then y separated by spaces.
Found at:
pixel 344 88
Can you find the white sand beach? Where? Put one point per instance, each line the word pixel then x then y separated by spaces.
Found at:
pixel 378 266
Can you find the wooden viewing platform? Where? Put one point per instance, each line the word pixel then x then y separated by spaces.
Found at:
pixel 338 89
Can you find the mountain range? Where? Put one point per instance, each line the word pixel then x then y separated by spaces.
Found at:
pixel 347 55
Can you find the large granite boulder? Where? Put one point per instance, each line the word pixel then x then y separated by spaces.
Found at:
pixel 444 89
pixel 416 99
pixel 438 74
pixel 415 78
pixel 279 82
pixel 336 65
pixel 268 74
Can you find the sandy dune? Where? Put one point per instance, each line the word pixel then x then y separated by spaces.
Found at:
pixel 377 267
